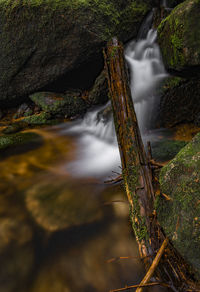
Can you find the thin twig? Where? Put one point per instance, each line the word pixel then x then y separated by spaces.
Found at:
pixel 122 258
pixel 115 180
pixel 154 265
pixel 155 163
pixel 143 285
pixel 166 197
pixel 116 201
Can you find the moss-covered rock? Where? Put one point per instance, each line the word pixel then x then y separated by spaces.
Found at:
pixel 61 105
pixel 42 118
pixel 180 216
pixel 179 38
pixel 13 140
pixel 180 102
pixel 42 40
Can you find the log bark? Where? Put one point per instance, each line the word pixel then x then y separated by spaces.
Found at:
pixel 137 175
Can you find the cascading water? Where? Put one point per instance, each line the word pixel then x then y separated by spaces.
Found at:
pixel 146 73
pixel 98 152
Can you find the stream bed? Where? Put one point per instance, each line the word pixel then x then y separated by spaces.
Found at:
pixel 61 232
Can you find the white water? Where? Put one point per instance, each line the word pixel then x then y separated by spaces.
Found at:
pixel 146 73
pixel 98 153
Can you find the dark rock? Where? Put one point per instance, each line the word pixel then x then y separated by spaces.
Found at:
pixel 105 114
pixel 43 40
pixel 173 3
pixel 62 105
pixel 180 216
pixel 179 38
pixel 166 150
pixel 1 114
pixel 99 92
pixel 23 110
pixel 180 102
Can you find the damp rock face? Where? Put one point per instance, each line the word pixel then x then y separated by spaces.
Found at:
pixel 180 102
pixel 180 216
pixel 179 38
pixel 41 41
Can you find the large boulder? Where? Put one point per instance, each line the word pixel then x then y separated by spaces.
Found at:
pixel 179 38
pixel 180 102
pixel 180 216
pixel 43 40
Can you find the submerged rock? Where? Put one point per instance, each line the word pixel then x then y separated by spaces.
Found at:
pixel 180 216
pixel 43 40
pixel 179 38
pixel 57 204
pixel 180 102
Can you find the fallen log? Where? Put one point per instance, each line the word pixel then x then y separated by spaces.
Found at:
pixel 137 176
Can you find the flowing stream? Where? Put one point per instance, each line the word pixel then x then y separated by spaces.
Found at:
pixel 64 228
pixel 98 150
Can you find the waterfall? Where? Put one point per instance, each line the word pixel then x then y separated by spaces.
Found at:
pixel 146 73
pixel 98 153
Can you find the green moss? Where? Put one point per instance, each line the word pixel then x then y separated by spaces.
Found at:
pixel 179 217
pixel 178 36
pixel 38 119
pixel 7 141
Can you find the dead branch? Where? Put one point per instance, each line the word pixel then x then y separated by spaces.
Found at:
pixel 144 285
pixel 154 265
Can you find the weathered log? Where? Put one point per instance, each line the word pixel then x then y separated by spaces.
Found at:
pixel 137 175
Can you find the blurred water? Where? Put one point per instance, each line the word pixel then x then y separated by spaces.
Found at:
pixel 97 153
pixel 146 73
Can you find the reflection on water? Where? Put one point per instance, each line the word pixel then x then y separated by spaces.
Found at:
pixel 60 233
